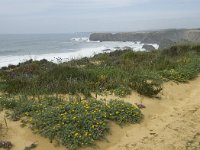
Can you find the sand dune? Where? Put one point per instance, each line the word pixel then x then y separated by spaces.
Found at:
pixel 173 122
pixel 169 124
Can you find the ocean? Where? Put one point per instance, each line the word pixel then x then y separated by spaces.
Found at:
pixel 15 48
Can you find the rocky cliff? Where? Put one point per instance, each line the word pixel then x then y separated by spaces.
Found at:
pixel 163 38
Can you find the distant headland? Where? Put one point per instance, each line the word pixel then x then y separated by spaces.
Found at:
pixel 163 38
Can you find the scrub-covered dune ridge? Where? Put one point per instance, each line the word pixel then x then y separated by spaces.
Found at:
pixel 118 72
pixel 76 103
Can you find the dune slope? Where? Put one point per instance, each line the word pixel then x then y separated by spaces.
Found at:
pixel 170 123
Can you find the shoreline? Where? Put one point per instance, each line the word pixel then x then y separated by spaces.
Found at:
pixel 63 57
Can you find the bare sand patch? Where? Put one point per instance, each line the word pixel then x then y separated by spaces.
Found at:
pixel 169 123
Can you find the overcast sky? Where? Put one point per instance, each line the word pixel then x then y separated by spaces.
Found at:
pixel 63 16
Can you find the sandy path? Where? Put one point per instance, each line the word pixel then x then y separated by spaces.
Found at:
pixel 169 123
pixel 170 128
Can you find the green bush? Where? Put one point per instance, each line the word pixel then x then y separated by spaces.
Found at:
pixel 146 85
pixel 183 73
pixel 73 124
pixel 123 113
pixel 122 91
pixel 7 103
pixel 3 86
pixel 148 88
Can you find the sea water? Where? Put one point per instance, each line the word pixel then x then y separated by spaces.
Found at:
pixel 55 47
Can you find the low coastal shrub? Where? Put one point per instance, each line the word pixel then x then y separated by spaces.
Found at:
pixel 122 113
pixel 73 123
pixel 183 73
pixel 2 86
pixel 118 72
pixel 122 91
pixel 146 85
pixel 8 103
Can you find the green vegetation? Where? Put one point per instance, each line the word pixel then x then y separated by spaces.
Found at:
pixel 122 113
pixel 118 72
pixel 74 123
pixel 194 144
pixel 32 146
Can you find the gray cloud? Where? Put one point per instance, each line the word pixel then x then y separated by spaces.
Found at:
pixel 47 16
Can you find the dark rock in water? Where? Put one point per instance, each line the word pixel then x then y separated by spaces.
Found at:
pixel 148 47
pixel 106 50
pixel 11 66
pixel 164 43
pixel 4 68
pixel 117 48
pixel 127 48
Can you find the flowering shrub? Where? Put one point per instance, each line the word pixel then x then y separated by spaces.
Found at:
pixel 122 91
pixel 123 113
pixel 73 123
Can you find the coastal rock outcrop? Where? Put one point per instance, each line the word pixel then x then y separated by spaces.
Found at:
pixel 163 38
pixel 148 47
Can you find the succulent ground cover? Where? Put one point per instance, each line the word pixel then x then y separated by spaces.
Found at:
pixel 74 123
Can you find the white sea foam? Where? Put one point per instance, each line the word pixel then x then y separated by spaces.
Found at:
pixel 54 57
pixel 81 39
pixel 84 52
pixel 156 46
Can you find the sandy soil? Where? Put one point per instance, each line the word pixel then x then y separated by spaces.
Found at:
pixel 171 123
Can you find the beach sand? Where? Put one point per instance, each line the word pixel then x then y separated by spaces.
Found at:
pixel 170 122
